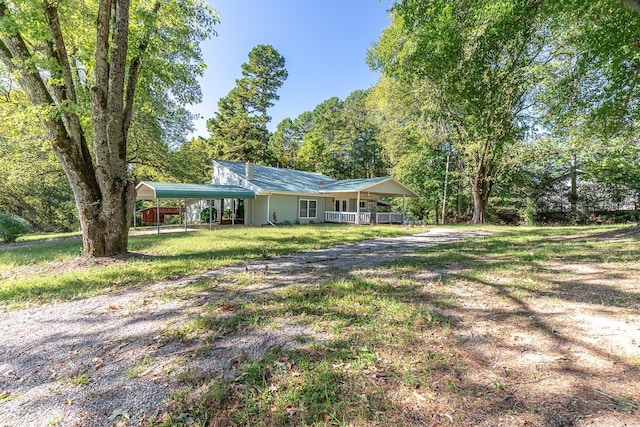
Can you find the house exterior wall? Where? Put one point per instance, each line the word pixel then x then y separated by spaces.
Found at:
pixel 287 208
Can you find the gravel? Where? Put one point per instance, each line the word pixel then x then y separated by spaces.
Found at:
pixel 105 361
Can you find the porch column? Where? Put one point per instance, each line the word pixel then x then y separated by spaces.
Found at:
pixel 233 212
pixel 358 209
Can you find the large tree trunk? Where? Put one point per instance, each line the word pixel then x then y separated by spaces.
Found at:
pixel 103 190
pixel 105 225
pixel 480 190
pixel 479 204
pixel 573 195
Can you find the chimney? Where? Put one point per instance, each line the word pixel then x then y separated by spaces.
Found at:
pixel 248 170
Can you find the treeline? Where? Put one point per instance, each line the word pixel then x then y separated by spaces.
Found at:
pixel 487 108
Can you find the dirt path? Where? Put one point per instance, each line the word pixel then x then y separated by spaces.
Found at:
pixel 104 360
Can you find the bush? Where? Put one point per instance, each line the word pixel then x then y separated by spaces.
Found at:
pixel 12 227
pixel 204 215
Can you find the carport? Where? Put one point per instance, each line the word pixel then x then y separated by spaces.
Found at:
pixel 156 191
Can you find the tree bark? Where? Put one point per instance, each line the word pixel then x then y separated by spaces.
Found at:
pixel 573 195
pixel 103 191
pixel 479 203
pixel 480 190
pixel 444 190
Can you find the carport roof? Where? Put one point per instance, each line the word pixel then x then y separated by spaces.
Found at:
pixel 149 190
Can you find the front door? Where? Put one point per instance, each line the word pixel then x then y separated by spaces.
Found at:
pixel 342 205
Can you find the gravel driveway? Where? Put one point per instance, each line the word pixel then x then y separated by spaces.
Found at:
pixel 87 362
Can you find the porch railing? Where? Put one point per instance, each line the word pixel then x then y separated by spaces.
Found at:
pixel 347 217
pixel 389 218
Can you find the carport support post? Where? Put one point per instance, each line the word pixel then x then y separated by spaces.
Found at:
pixel 158 214
pixel 403 197
pixel 210 215
pixel 358 210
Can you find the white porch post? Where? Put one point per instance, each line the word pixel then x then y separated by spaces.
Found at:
pixel 233 212
pixel 158 214
pixel 358 210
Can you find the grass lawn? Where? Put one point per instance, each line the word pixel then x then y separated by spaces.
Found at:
pixel 529 326
pixel 48 270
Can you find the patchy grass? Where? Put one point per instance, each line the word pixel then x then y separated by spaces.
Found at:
pixel 491 337
pixel 44 237
pixel 51 270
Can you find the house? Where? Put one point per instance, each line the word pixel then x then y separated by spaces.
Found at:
pixel 287 195
pixel 259 195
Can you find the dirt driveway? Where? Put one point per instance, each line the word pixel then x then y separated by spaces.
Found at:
pixel 106 361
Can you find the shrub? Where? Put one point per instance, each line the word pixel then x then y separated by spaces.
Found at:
pixel 12 227
pixel 204 215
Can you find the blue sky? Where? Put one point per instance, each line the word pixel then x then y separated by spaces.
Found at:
pixel 324 43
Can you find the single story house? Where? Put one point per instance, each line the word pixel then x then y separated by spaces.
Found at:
pixel 287 195
pixel 259 195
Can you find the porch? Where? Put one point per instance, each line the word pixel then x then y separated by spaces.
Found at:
pixel 363 217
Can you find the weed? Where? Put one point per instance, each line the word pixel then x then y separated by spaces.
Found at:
pixel 499 385
pixel 141 367
pixel 79 379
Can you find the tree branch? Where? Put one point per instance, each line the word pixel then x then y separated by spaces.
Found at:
pixel 116 138
pixel 75 159
pixel 134 74
pixel 633 4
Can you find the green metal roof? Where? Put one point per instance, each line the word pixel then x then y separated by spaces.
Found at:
pixel 277 179
pixel 349 185
pixel 165 190
pixel 266 178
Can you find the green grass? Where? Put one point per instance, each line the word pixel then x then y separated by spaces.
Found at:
pixel 389 350
pixel 38 237
pixel 162 256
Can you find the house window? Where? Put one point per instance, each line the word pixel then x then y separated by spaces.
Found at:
pixel 363 205
pixel 308 208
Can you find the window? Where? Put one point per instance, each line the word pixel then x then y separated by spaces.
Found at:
pixel 308 208
pixel 341 205
pixel 363 205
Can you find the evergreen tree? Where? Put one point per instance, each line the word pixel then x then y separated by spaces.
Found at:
pixel 239 127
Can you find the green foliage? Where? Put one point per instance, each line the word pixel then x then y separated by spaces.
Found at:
pixel 341 139
pixel 286 141
pixel 109 95
pixel 33 185
pixel 206 214
pixel 239 127
pixel 12 227
pixel 477 62
pixel 417 146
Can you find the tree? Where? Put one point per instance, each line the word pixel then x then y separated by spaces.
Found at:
pixel 239 127
pixel 68 69
pixel 341 139
pixel 416 144
pixel 478 59
pixel 235 134
pixel 592 100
